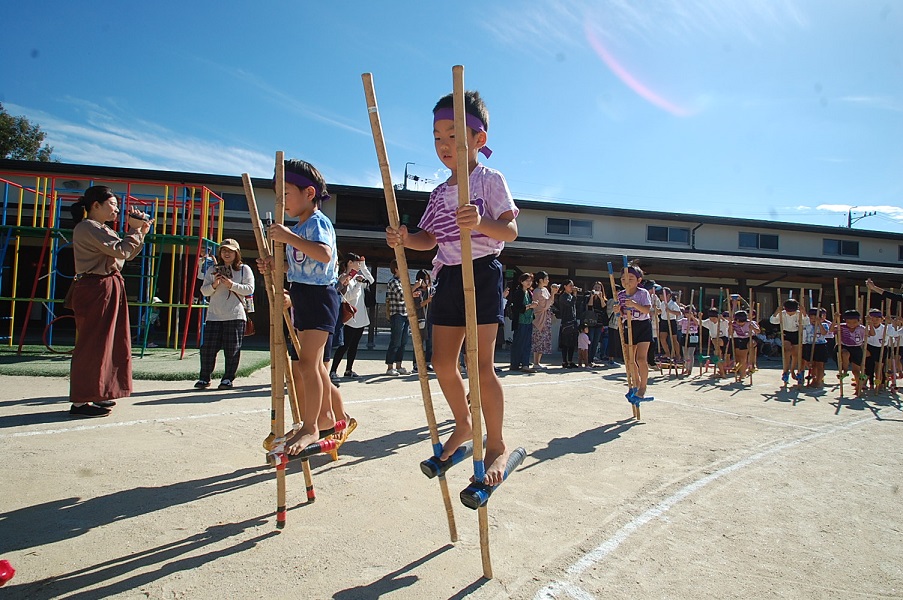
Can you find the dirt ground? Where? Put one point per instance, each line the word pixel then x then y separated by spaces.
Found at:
pixel 721 491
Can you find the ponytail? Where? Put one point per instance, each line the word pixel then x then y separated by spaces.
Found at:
pixel 95 193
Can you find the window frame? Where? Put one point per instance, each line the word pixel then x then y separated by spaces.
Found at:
pixel 668 229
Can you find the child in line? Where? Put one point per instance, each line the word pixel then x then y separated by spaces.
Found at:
pixel 689 326
pixel 491 218
pixel 852 334
pixel 583 347
pixel 815 347
pixel 717 328
pixel 311 255
pixel 881 336
pixel 789 319
pixel 667 325
pixel 742 331
pixel 638 301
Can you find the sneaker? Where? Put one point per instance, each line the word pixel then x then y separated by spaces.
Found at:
pixel 105 403
pixel 785 376
pixel 225 384
pixel 333 377
pixel 201 384
pixel 392 372
pixel 88 411
pixel 351 374
pixel 152 345
pixel 429 368
pixel 403 371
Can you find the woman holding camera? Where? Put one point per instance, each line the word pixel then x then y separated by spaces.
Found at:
pixel 355 278
pixel 567 334
pixel 594 318
pixel 101 367
pixel 225 285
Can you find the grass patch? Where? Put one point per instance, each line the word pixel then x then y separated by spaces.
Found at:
pixel 158 364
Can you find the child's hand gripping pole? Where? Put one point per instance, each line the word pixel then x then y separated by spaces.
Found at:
pixel 477 494
pixel 394 222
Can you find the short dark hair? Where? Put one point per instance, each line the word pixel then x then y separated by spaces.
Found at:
pixel 302 167
pixel 524 276
pixel 791 305
pixel 473 105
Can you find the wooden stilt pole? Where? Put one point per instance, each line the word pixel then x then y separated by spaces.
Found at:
pixel 279 350
pixel 471 335
pixel 800 373
pixel 863 378
pixel 631 384
pixel 688 366
pixel 837 339
pixel 395 222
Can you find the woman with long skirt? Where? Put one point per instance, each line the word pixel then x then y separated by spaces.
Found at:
pixel 101 369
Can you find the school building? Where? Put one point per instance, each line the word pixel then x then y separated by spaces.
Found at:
pixel 686 252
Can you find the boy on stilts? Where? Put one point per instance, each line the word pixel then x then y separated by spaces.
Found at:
pixel 491 218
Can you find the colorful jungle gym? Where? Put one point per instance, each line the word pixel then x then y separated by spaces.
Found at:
pixel 188 226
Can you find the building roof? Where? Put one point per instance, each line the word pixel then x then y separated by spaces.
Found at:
pixel 209 179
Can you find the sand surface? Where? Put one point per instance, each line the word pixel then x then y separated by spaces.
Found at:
pixel 720 491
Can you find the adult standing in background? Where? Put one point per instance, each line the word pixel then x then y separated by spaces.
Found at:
pixel 226 285
pixel 398 323
pixel 594 318
pixel 522 306
pixel 423 292
pixel 567 334
pixel 101 368
pixel 357 278
pixel 542 317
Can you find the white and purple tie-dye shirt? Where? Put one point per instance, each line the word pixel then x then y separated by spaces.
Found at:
pixel 489 191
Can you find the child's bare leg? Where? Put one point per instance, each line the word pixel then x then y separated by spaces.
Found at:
pixel 788 355
pixel 446 348
pixel 642 367
pixel 492 400
pixel 312 371
pixel 741 364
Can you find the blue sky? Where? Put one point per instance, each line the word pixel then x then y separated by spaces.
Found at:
pixel 789 110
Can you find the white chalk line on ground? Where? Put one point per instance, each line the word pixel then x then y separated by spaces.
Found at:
pixel 225 414
pixel 595 556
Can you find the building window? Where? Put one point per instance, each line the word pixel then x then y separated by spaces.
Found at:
pixel 840 248
pixel 669 235
pixel 899 252
pixel 758 241
pixel 569 227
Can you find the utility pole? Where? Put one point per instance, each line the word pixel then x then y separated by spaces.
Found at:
pixel 405 186
pixel 851 220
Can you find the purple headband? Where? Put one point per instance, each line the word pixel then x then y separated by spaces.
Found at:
pixel 635 272
pixel 448 114
pixel 303 182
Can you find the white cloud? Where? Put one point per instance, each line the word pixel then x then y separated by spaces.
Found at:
pixel 879 102
pixel 894 212
pixel 555 24
pixel 105 138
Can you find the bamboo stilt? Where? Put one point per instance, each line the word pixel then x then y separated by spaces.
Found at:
pixel 395 222
pixel 471 335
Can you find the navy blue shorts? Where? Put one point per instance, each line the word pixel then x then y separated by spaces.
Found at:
pixel 792 336
pixel 642 330
pixel 741 343
pixel 314 306
pixel 447 307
